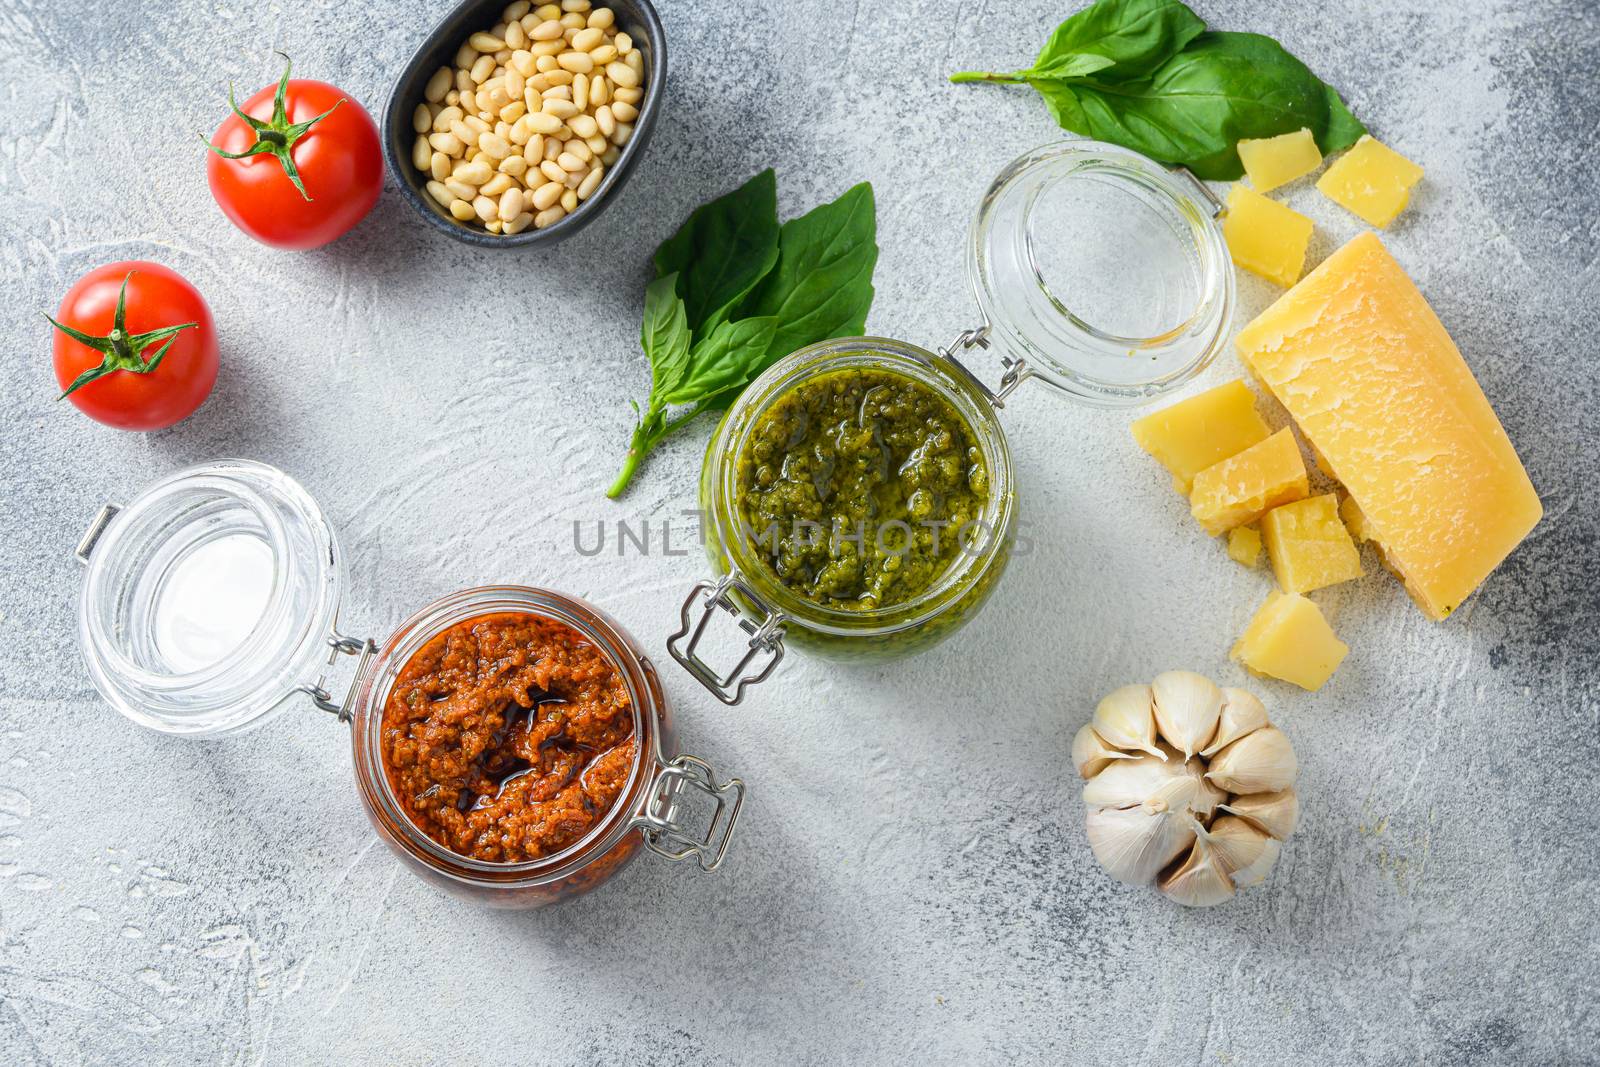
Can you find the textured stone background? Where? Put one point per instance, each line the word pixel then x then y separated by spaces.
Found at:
pixel 911 881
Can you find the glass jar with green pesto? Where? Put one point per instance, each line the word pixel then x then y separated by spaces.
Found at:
pixel 858 498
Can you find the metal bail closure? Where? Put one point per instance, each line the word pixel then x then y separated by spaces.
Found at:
pixel 660 819
pixel 1017 369
pixel 1218 208
pixel 86 543
pixel 766 638
pixel 339 645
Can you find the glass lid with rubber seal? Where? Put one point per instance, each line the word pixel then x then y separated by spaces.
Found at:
pixel 1099 271
pixel 210 599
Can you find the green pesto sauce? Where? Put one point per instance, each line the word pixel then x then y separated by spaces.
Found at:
pixel 833 468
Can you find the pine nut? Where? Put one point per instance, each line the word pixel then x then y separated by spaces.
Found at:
pixel 469 102
pixel 520 223
pixel 477 126
pixel 569 200
pixel 542 122
pixel 573 22
pixel 583 125
pixel 522 63
pixel 580 91
pixel 421 153
pixel 452 98
pixel 598 143
pixel 462 210
pixel 560 77
pixel 448 143
pixel 483 42
pixel 576 147
pixel 547 63
pixel 606 119
pixel 575 5
pixel 610 156
pixel 515 166
pixel 623 135
pixel 623 111
pixel 570 162
pixel 475 173
pixel 549 12
pixel 533 151
pixel 601 17
pixel 622 75
pixel 485 207
pixel 606 53
pixel 599 91
pixel 438 191
pixel 552 146
pixel 515 10
pixel 587 40
pixel 553 170
pixel 549 217
pixel 513 111
pixel 515 83
pixel 557 92
pixel 438 85
pixel 561 109
pixel 442 121
pixel 482 69
pixel 577 62
pixel 439 166
pixel 493 225
pixel 464 79
pixel 422 119
pixel 547 194
pixel 623 42
pixel 495 187
pixel 590 183
pixel 629 96
pixel 516 36
pixel 460 189
pixel 510 203
pixel 547 31
pixel 635 62
pixel 496 147
pixel 466 55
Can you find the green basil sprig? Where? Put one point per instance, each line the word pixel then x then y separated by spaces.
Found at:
pixel 735 292
pixel 1147 75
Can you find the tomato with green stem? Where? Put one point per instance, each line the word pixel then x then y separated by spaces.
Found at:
pixel 135 346
pixel 298 165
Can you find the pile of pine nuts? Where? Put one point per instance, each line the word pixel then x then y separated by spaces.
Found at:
pixel 521 131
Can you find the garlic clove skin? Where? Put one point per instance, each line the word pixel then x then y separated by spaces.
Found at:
pixel 1133 844
pixel 1276 813
pixel 1238 844
pixel 1142 780
pixel 1201 880
pixel 1187 708
pixel 1261 761
pixel 1209 798
pixel 1090 753
pixel 1125 719
pixel 1257 872
pixel 1242 713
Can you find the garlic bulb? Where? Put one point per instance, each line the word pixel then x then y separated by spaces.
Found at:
pixel 1188 787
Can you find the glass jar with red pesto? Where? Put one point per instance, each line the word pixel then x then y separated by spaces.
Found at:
pixel 512 746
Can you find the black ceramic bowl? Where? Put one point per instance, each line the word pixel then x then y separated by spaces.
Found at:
pixel 635 17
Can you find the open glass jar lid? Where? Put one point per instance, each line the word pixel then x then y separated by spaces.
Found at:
pixel 1097 271
pixel 212 599
pixel 1101 272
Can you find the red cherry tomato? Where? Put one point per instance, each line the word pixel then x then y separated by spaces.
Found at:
pixel 300 168
pixel 141 340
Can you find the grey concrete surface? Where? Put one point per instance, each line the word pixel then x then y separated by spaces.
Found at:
pixel 911 882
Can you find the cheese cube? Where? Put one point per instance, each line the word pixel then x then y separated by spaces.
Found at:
pixel 1244 487
pixel 1354 521
pixel 1244 545
pixel 1264 237
pixel 1376 385
pixel 1191 435
pixel 1289 639
pixel 1274 161
pixel 1309 546
pixel 1372 181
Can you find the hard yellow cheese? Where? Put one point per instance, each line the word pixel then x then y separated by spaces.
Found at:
pixel 1191 435
pixel 1244 545
pixel 1264 237
pixel 1274 161
pixel 1308 545
pixel 1372 181
pixel 1242 488
pixel 1374 382
pixel 1289 639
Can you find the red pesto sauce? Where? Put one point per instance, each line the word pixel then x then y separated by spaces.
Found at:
pixel 508 737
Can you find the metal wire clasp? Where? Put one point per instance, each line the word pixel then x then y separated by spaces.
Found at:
pixel 1017 369
pixel 1218 208
pixel 659 820
pixel 340 645
pixel 765 638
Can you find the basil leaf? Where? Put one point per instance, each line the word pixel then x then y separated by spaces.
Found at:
pixel 664 335
pixel 822 284
pixel 1196 107
pixel 728 357
pixel 1135 36
pixel 1344 129
pixel 723 250
pixel 1120 40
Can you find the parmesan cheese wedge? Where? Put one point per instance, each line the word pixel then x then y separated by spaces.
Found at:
pixel 1381 392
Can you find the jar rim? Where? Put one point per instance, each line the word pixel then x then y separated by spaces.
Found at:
pixel 1097 365
pixel 944 376
pixel 433 619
